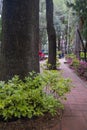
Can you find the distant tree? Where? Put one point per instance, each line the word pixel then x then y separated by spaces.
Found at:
pixel 42 24
pixel 77 43
pixel 20 38
pixel 80 6
pixel 51 34
pixel 0 29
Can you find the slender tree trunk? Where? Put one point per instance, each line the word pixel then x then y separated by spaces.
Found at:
pixel 20 39
pixel 51 34
pixel 59 42
pixel 77 44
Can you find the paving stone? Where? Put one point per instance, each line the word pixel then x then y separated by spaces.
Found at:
pixel 75 113
pixel 73 123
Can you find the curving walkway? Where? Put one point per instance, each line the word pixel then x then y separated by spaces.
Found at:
pixel 75 113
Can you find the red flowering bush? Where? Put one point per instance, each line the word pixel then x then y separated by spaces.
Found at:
pixel 82 69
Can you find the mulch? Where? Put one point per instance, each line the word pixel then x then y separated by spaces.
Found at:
pixel 46 122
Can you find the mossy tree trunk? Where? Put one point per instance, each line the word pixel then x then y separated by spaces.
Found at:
pixel 51 34
pixel 20 38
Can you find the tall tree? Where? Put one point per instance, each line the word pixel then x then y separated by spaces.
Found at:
pixel 80 6
pixel 51 34
pixel 20 38
pixel 77 44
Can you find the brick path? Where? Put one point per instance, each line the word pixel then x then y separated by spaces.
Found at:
pixel 75 113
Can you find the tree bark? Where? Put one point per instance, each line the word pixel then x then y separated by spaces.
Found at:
pixel 77 44
pixel 20 38
pixel 51 34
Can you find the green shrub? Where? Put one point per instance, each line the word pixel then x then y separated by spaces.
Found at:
pixel 56 82
pixel 75 63
pixel 82 55
pixel 46 65
pixel 27 99
pixel 71 56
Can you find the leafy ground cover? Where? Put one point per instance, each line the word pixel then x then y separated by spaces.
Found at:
pixel 26 99
pixel 34 103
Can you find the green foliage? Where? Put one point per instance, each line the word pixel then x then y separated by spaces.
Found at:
pixel 27 99
pixel 56 82
pixel 80 6
pixel 75 63
pixel 71 56
pixel 59 52
pixel 84 32
pixel 46 65
pixel 82 55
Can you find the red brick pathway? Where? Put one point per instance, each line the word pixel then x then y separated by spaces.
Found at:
pixel 75 113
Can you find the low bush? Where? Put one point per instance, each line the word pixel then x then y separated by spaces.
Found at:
pixel 71 56
pixel 82 55
pixel 82 69
pixel 75 63
pixel 27 99
pixel 46 65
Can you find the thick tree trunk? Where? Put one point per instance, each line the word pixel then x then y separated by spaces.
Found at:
pixel 51 34
pixel 20 39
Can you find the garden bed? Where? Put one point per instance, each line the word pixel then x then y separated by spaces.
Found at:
pixel 34 104
pixel 41 123
pixel 79 67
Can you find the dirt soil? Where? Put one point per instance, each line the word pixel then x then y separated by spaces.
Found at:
pixel 47 122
